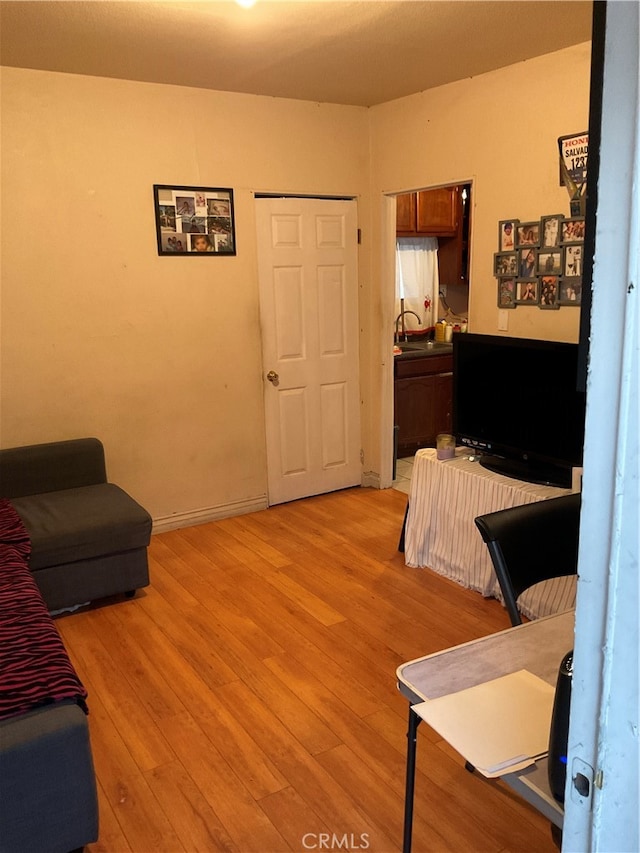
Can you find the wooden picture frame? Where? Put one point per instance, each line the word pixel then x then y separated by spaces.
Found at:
pixel 194 221
pixel 506 292
pixel 527 291
pixel 507 235
pixel 551 231
pixel 528 234
pixel 549 292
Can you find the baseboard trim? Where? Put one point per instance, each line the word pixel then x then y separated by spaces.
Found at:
pixel 206 514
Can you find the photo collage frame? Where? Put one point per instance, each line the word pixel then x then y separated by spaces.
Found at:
pixel 194 221
pixel 540 262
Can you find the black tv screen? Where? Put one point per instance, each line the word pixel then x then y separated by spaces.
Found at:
pixel 516 403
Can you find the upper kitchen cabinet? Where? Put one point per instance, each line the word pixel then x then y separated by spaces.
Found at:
pixel 406 215
pixel 429 213
pixel 453 252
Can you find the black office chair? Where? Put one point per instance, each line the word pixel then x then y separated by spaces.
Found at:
pixel 531 543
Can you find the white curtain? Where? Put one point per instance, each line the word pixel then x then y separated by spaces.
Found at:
pixel 417 279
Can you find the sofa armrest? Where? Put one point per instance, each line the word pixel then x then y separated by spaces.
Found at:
pixel 47 781
pixel 38 468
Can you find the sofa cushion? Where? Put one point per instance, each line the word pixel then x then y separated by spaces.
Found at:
pixel 82 523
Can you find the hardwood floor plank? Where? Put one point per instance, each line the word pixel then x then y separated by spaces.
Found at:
pixel 255 615
pixel 203 657
pixel 223 726
pixel 112 838
pixel 302 597
pixel 221 613
pixel 240 814
pixel 240 528
pixel 130 801
pixel 296 821
pixel 192 818
pixel 119 698
pixel 152 688
pixel 194 544
pixel 303 636
pixel 163 656
pixel 299 718
pixel 317 788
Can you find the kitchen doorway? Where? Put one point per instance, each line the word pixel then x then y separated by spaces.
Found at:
pixel 437 221
pixel 432 260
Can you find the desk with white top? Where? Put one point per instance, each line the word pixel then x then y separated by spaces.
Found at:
pixel 444 499
pixel 534 646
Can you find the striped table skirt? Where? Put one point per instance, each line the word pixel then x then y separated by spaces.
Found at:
pixel 444 499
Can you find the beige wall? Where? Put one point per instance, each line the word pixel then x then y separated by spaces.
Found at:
pixel 160 356
pixel 500 131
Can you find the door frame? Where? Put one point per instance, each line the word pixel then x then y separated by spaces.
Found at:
pixel 387 302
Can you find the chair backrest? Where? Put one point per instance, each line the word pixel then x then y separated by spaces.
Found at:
pixel 531 543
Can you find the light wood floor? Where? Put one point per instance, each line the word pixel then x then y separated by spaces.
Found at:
pixel 247 701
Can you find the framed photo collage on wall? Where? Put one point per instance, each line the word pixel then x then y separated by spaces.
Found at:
pixel 194 221
pixel 540 262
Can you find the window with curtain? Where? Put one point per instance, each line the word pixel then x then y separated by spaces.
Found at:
pixel 417 279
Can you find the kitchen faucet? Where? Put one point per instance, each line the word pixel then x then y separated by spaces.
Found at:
pixel 401 317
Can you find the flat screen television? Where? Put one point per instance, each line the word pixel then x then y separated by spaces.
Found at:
pixel 516 404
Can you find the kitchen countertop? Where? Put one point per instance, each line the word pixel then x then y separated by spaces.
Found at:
pixel 420 349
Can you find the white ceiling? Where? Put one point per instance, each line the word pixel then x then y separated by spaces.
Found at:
pixel 362 52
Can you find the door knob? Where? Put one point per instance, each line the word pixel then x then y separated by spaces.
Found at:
pixel 272 376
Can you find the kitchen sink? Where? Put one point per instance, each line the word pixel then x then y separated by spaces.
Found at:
pixel 424 347
pixel 410 347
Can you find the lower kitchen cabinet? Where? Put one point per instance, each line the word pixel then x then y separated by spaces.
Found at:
pixel 423 390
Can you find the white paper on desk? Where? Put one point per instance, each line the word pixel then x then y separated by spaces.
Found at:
pixel 499 726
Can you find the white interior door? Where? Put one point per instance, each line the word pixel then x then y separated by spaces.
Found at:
pixel 307 266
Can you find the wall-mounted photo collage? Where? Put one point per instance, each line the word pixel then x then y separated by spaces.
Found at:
pixel 196 221
pixel 540 263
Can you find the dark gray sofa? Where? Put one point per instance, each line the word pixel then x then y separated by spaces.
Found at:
pixel 79 538
pixel 48 800
pixel 88 537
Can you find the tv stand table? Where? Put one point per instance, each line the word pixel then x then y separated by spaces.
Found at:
pixel 444 499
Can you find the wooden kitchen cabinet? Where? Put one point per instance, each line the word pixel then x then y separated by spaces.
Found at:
pixel 429 213
pixel 453 252
pixel 423 399
pixel 406 214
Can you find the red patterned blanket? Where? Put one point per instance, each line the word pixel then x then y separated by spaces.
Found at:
pixel 35 669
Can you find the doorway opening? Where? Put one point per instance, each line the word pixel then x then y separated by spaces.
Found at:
pixel 432 259
pixel 433 229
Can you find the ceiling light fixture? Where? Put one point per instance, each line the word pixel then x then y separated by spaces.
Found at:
pixel 246 4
